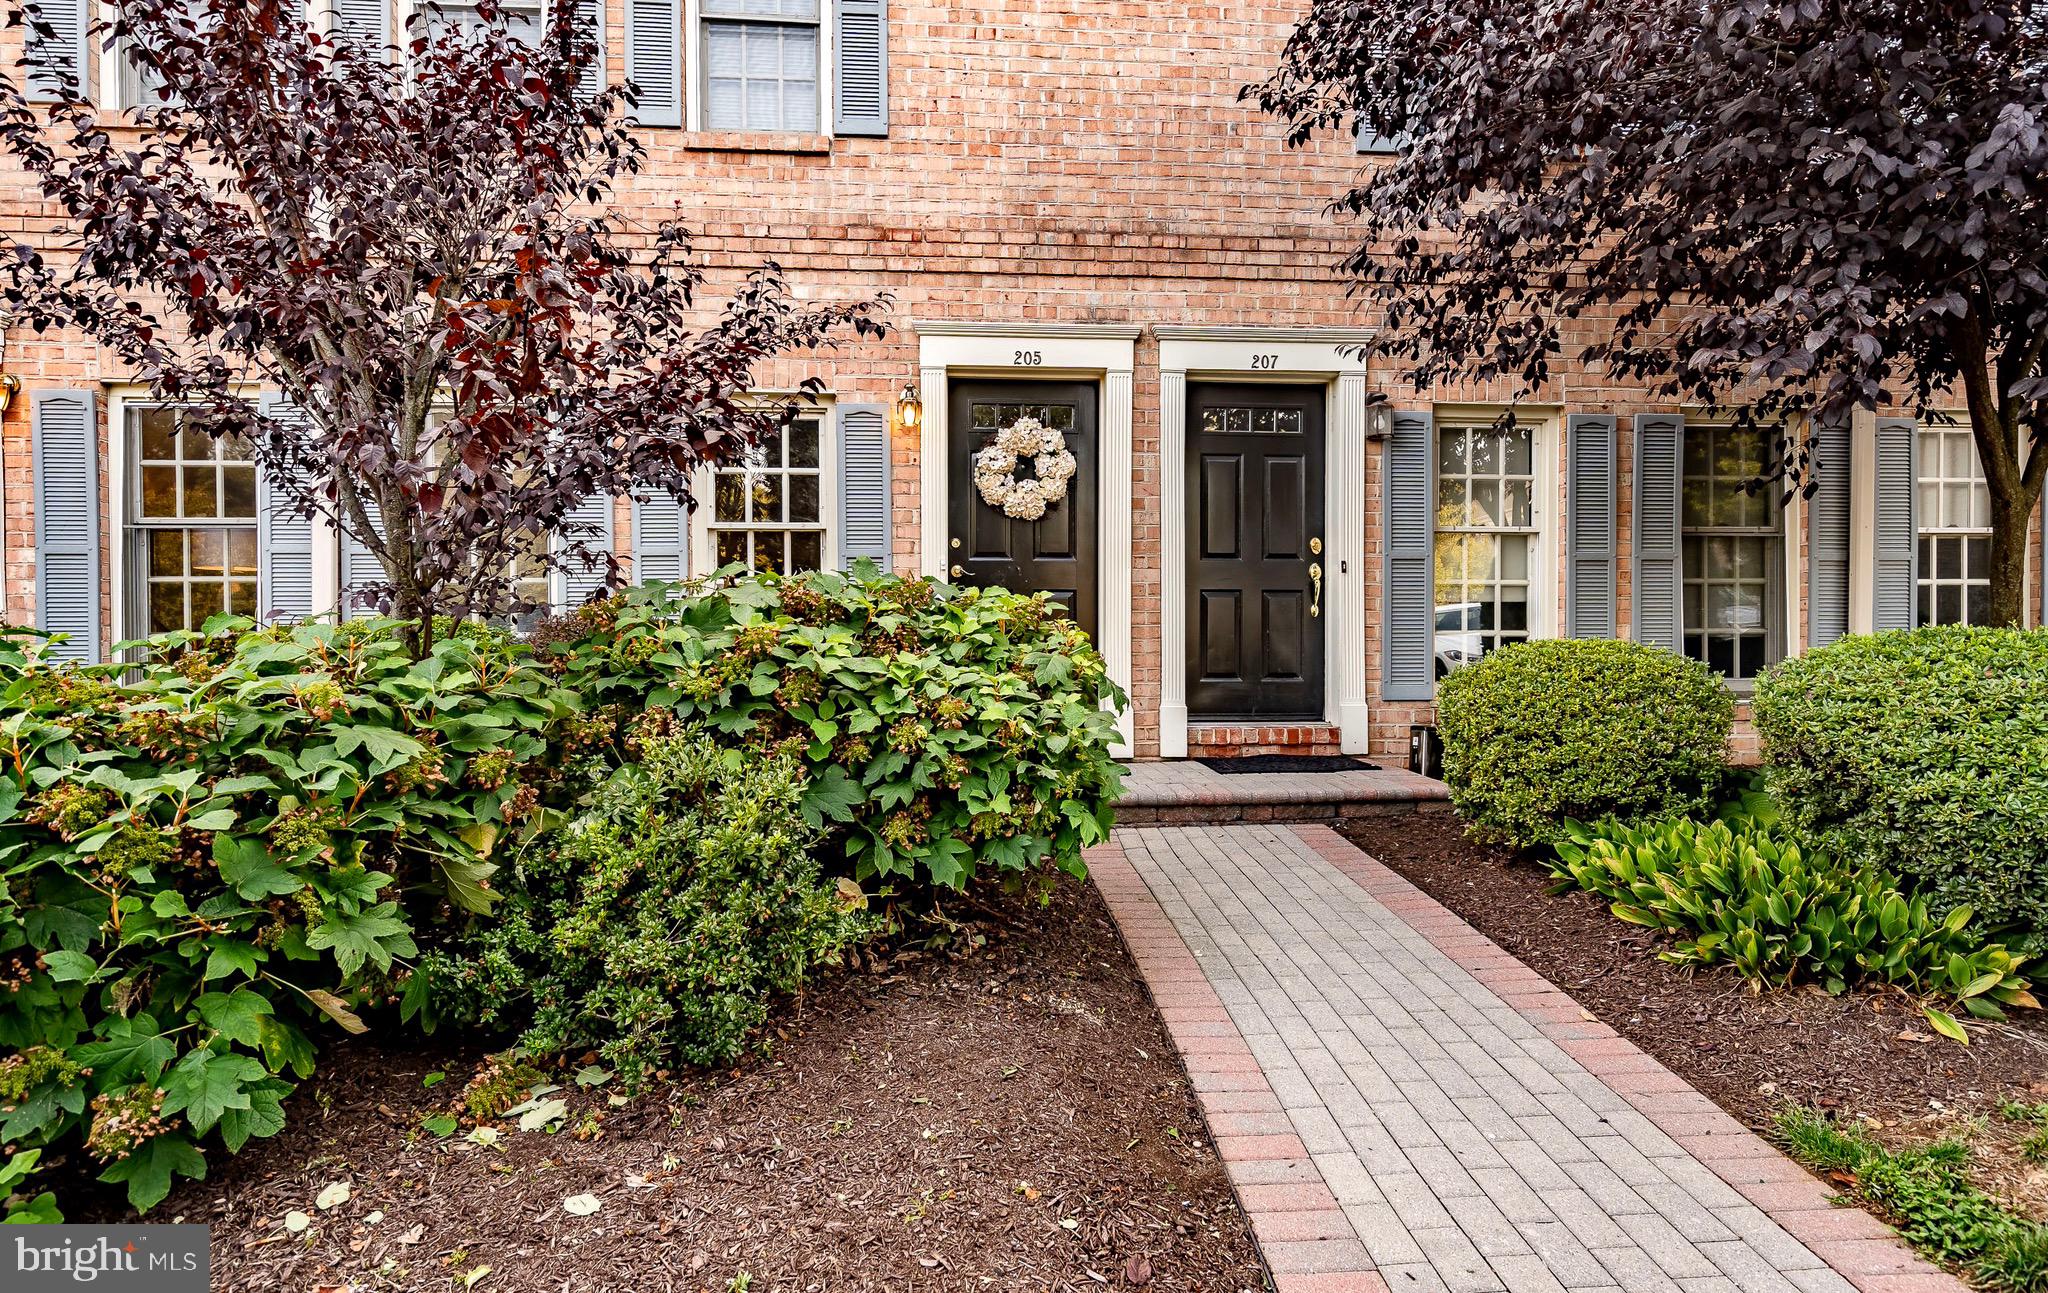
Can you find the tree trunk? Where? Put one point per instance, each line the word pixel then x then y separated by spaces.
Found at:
pixel 2008 561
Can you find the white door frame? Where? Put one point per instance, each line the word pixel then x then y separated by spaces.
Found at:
pixel 1329 357
pixel 1105 352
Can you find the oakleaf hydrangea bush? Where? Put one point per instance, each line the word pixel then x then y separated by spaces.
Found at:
pixel 655 927
pixel 947 732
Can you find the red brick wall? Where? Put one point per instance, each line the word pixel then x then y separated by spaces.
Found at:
pixel 1070 160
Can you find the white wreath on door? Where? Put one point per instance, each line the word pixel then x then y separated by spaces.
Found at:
pixel 995 469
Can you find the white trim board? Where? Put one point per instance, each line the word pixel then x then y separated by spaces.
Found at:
pixel 1107 353
pixel 1324 356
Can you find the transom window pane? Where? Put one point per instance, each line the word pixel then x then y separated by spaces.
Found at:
pixel 1732 543
pixel 762 74
pixel 1485 536
pixel 1955 529
pixel 768 513
pixel 192 524
pixel 1251 421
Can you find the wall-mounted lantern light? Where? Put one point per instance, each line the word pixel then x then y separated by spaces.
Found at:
pixel 10 385
pixel 909 408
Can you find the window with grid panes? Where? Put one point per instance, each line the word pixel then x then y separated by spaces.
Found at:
pixel 524 20
pixel 1485 537
pixel 192 524
pixel 761 60
pixel 768 513
pixel 1955 529
pixel 1733 539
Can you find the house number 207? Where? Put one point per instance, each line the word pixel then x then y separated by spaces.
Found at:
pixel 1029 358
pixel 1265 361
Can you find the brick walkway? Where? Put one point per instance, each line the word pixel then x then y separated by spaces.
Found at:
pixel 1404 1106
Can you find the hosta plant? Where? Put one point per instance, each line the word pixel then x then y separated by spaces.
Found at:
pixel 1742 891
pixel 945 732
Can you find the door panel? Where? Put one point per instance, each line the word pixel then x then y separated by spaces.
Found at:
pixel 1255 633
pixel 1054 554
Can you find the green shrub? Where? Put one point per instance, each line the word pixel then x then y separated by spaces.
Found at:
pixel 1545 731
pixel 1927 753
pixel 656 927
pixel 946 731
pixel 1925 1192
pixel 1742 892
pixel 200 865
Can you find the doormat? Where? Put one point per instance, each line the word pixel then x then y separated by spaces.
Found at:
pixel 1290 763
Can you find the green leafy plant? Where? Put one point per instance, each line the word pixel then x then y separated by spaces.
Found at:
pixel 1922 751
pixel 22 1209
pixel 1743 892
pixel 206 864
pixel 1924 1191
pixel 1544 731
pixel 946 732
pixel 657 926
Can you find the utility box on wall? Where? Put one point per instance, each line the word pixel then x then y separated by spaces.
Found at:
pixel 1425 751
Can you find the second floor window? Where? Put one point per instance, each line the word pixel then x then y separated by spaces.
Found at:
pixel 761 61
pixel 1955 529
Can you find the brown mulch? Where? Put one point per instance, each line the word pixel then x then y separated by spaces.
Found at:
pixel 1011 1118
pixel 1863 1055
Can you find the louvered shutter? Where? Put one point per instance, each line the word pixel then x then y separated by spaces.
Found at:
pixel 860 86
pixel 1827 538
pixel 1657 574
pixel 1410 672
pixel 654 59
pixel 1363 138
pixel 864 517
pixel 64 426
pixel 1898 524
pixel 660 539
pixel 365 22
pixel 590 27
pixel 1589 498
pixel 284 540
pixel 576 583
pixel 360 568
pixel 60 60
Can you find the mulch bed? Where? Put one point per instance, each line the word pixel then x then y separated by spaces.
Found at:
pixel 1008 1118
pixel 1864 1055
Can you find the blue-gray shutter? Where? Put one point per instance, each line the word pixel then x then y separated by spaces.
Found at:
pixel 1827 537
pixel 579 583
pixel 64 426
pixel 865 525
pixel 654 59
pixel 1894 600
pixel 860 82
pixel 360 567
pixel 1657 566
pixel 284 540
pixel 590 26
pixel 59 62
pixel 1591 445
pixel 1365 140
pixel 1410 669
pixel 661 535
pixel 365 22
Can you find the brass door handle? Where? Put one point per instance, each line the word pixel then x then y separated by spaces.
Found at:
pixel 1315 573
pixel 957 572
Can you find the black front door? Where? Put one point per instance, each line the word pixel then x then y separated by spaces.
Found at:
pixel 1054 554
pixel 1255 552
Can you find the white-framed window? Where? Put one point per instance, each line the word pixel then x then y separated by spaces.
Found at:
pixel 762 64
pixel 1733 551
pixel 1488 535
pixel 524 20
pixel 190 523
pixel 775 510
pixel 1955 528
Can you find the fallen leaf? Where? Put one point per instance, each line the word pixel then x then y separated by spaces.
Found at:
pixel 593 1075
pixel 412 1236
pixel 432 1079
pixel 484 1136
pixel 440 1124
pixel 542 1114
pixel 469 1280
pixel 296 1221
pixel 1070 1224
pixel 581 1205
pixel 333 1196
pixel 374 1217
pixel 1138 1270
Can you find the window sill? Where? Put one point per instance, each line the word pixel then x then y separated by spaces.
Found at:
pixel 757 141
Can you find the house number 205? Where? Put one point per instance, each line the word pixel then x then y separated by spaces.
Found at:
pixel 1029 358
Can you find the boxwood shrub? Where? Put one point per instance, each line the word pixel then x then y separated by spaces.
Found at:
pixel 1926 753
pixel 1541 732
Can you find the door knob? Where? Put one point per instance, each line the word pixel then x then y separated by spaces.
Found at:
pixel 957 572
pixel 1315 547
pixel 1315 574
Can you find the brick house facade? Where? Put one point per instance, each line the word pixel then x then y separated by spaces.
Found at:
pixel 1075 216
